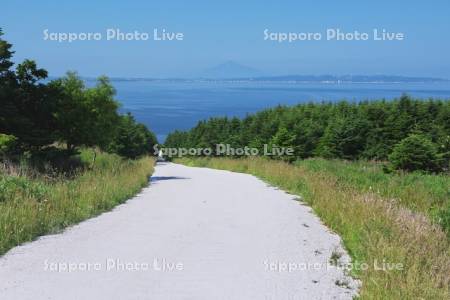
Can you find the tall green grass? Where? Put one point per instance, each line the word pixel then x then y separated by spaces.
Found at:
pixel 419 192
pixel 379 217
pixel 32 204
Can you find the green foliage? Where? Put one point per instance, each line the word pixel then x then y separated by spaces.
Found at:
pixel 63 111
pixel 415 153
pixel 27 106
pixel 85 116
pixel 19 187
pixel 343 138
pixel 283 138
pixel 5 55
pixel 345 130
pixel 7 144
pixel 443 217
pixel 132 139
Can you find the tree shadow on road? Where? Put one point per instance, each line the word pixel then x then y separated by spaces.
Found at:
pixel 163 178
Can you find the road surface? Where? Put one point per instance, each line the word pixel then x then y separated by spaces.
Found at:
pixel 194 233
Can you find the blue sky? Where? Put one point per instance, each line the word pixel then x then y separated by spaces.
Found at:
pixel 215 32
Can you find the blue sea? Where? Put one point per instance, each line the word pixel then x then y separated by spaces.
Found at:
pixel 168 105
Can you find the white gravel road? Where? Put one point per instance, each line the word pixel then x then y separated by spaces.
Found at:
pixel 193 234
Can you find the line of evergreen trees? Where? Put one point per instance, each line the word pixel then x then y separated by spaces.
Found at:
pixel 414 134
pixel 35 115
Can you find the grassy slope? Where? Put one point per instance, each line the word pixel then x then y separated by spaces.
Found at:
pixel 422 193
pixel 379 217
pixel 33 207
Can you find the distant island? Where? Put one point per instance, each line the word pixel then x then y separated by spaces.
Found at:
pixel 231 71
pixel 351 79
pixel 300 79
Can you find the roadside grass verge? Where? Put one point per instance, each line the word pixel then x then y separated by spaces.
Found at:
pixel 419 192
pixel 32 205
pixel 380 217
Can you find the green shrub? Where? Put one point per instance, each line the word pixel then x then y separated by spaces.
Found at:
pixel 7 144
pixel 12 187
pixel 132 139
pixel 415 153
pixel 443 218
